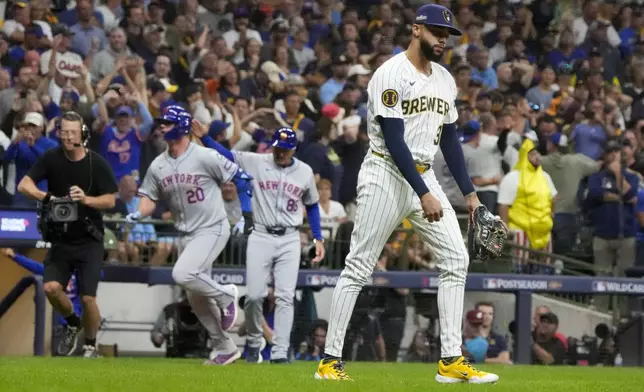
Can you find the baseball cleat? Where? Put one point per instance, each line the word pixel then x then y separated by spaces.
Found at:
pixel 229 313
pixel 331 370
pixel 224 359
pixel 68 345
pixel 460 371
pixel 90 352
pixel 254 355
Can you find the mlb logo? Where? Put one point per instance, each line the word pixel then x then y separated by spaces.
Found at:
pixel 313 280
pixel 490 284
pixel 599 285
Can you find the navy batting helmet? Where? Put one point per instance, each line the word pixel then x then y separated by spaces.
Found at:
pixel 436 15
pixel 285 138
pixel 181 120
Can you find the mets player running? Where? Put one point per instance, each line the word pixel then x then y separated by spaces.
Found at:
pixel 187 176
pixel 411 114
pixel 282 185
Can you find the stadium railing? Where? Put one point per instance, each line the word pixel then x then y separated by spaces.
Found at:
pixel 522 286
pixel 159 252
pixel 39 309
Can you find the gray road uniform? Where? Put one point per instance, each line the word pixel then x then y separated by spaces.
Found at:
pixel 190 185
pixel 280 195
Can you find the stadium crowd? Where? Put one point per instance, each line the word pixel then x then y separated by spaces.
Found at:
pixel 550 101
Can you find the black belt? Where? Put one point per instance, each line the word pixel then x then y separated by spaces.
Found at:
pixel 420 167
pixel 274 230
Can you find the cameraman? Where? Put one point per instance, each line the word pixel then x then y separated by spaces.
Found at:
pixel 81 182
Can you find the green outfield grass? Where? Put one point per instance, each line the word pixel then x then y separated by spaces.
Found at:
pixel 155 375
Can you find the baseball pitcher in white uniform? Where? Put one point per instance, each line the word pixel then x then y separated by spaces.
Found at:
pixel 282 187
pixel 411 114
pixel 188 177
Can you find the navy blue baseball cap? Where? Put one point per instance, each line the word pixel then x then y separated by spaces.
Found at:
pixel 470 129
pixel 217 127
pixel 436 15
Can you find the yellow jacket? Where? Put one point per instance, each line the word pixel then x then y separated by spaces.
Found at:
pixel 531 211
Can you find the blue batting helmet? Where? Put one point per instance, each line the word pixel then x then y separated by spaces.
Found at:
pixel 285 138
pixel 436 15
pixel 181 120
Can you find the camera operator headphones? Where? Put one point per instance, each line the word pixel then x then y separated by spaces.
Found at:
pixel 73 116
pixel 85 136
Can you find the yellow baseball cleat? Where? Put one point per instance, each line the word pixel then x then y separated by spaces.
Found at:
pixel 331 370
pixel 461 371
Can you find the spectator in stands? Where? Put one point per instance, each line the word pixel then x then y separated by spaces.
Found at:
pixel 105 61
pixel 293 116
pixel 332 213
pixel 514 77
pixel 320 155
pixel 536 320
pixel 67 62
pixel 334 85
pixel 546 348
pixel 612 195
pixel 140 237
pixel 567 171
pixel 526 201
pixel 481 71
pixel 89 37
pixel 25 149
pixel 483 161
pixel 418 350
pixel 475 345
pixel 238 37
pixel 33 34
pixel 121 140
pixel 597 40
pixel 498 51
pixel 15 28
pixel 589 136
pixel 541 94
pixel 497 350
pixel 279 30
pixel 313 347
pixel 448 184
pixel 567 53
pixel 25 80
pixel 394 305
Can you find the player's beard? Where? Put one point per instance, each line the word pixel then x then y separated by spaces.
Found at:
pixel 428 52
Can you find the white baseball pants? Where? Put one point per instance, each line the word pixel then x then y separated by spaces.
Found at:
pixel 384 200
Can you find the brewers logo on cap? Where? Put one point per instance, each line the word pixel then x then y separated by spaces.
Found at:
pixel 389 98
pixel 447 16
pixel 283 135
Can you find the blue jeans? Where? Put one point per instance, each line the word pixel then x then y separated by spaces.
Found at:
pixel 564 233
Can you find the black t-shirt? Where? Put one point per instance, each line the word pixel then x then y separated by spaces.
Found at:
pixel 92 174
pixel 555 347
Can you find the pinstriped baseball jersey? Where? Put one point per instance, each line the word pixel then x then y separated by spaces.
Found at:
pixel 425 102
pixel 190 186
pixel 279 194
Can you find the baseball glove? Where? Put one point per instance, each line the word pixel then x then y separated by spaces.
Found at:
pixel 486 234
